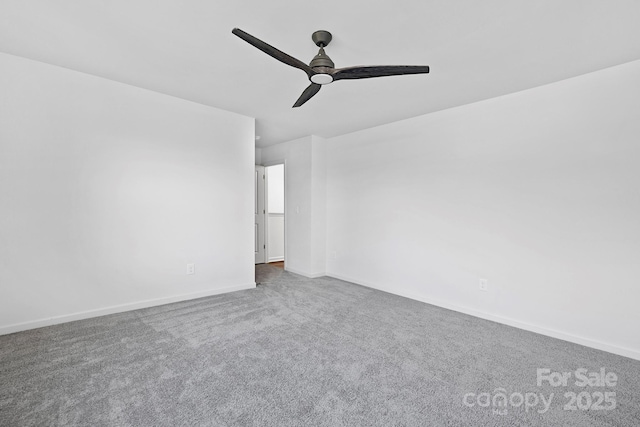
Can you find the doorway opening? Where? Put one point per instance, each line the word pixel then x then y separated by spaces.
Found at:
pixel 270 215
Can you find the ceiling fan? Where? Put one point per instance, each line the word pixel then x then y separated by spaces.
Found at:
pixel 321 69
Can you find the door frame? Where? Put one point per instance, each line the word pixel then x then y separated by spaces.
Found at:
pixel 260 205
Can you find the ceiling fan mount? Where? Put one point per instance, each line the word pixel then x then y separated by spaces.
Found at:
pixel 321 38
pixel 321 70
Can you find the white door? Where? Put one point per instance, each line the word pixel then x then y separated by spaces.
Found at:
pixel 275 213
pixel 260 215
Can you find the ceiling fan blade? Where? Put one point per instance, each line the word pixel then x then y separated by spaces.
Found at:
pixel 378 71
pixel 272 51
pixel 311 90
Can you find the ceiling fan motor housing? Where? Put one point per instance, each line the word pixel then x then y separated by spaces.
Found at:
pixel 321 60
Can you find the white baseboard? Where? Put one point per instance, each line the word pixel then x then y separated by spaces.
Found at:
pixel 276 259
pixel 17 327
pixel 304 273
pixel 588 342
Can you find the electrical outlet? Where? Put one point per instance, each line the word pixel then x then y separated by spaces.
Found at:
pixel 191 269
pixel 483 285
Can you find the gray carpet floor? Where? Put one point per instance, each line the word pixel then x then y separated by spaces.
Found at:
pixel 301 352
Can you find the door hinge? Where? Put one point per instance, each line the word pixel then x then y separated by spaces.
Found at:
pixel 262 176
pixel 263 211
pixel 264 246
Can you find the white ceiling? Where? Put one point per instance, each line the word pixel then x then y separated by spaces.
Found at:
pixel 476 50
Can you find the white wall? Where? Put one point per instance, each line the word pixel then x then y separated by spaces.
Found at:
pixel 319 207
pixel 538 192
pixel 107 191
pixel 305 202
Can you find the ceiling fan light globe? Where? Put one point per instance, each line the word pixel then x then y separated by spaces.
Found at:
pixel 321 78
